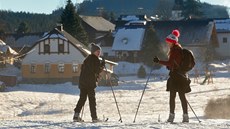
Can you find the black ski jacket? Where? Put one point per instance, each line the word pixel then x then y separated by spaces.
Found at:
pixel 90 70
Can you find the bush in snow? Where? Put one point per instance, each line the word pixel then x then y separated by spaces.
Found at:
pixel 141 72
pixel 218 109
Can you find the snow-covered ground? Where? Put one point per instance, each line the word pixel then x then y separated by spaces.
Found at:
pixel 51 106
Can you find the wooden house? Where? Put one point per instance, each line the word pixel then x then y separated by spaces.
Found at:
pixel 96 26
pixel 55 58
pixel 7 54
pixel 223 34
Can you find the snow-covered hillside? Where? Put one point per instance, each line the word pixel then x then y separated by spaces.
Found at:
pixel 51 106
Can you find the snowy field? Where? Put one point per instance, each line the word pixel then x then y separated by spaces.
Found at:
pixel 51 106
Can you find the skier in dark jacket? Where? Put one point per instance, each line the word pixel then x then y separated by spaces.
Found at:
pixel 89 75
pixel 178 80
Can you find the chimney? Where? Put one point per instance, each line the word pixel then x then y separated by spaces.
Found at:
pixel 59 26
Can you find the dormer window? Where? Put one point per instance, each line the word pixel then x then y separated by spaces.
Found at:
pixel 125 40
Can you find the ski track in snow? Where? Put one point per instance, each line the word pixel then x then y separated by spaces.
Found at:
pixel 51 106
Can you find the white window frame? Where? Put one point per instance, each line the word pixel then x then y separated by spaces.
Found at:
pixel 75 67
pixel 33 68
pixel 61 67
pixel 47 67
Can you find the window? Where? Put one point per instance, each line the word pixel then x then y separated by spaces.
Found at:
pixel 105 54
pixel 33 68
pixel 46 47
pixel 47 67
pixel 125 40
pixel 61 47
pixel 61 68
pixel 225 40
pixel 75 68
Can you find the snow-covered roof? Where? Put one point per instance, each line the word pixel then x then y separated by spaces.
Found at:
pixel 193 32
pixel 128 39
pixel 130 18
pixel 27 39
pixel 98 23
pixel 2 43
pixel 4 48
pixel 53 35
pixel 222 25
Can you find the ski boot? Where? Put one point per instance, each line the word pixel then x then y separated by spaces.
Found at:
pixel 171 117
pixel 185 118
pixel 95 120
pixel 77 118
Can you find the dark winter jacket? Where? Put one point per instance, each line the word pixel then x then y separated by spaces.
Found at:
pixel 178 81
pixel 90 71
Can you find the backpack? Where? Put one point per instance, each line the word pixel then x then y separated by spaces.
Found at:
pixel 188 60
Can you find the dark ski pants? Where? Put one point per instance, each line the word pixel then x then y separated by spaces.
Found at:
pixel 182 99
pixel 92 101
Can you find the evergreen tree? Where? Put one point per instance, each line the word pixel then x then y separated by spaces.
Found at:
pixel 22 28
pixel 192 9
pixel 72 23
pixel 151 47
pixel 164 9
pixel 112 17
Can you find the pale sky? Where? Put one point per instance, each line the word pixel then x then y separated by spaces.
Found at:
pixel 47 6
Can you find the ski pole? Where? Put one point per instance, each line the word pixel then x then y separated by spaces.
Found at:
pixel 142 95
pixel 113 93
pixel 193 112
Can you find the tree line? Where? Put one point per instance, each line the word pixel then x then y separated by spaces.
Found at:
pixel 162 8
pixel 10 21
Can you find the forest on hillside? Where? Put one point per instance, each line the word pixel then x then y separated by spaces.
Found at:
pixel 148 7
pixel 10 21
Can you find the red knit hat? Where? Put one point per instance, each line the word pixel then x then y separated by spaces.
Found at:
pixel 173 38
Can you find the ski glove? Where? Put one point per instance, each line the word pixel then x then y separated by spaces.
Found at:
pixel 156 59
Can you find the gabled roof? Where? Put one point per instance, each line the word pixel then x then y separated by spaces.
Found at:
pixel 62 34
pixel 192 32
pixel 223 26
pixel 6 48
pixel 105 40
pixel 128 39
pixel 98 23
pixel 21 40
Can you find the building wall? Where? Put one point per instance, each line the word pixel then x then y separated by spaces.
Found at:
pixel 54 73
pixel 109 51
pixel 34 58
pixel 223 49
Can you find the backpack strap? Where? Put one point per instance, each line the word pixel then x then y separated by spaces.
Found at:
pixel 178 65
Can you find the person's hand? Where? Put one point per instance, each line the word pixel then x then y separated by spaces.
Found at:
pixel 156 59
